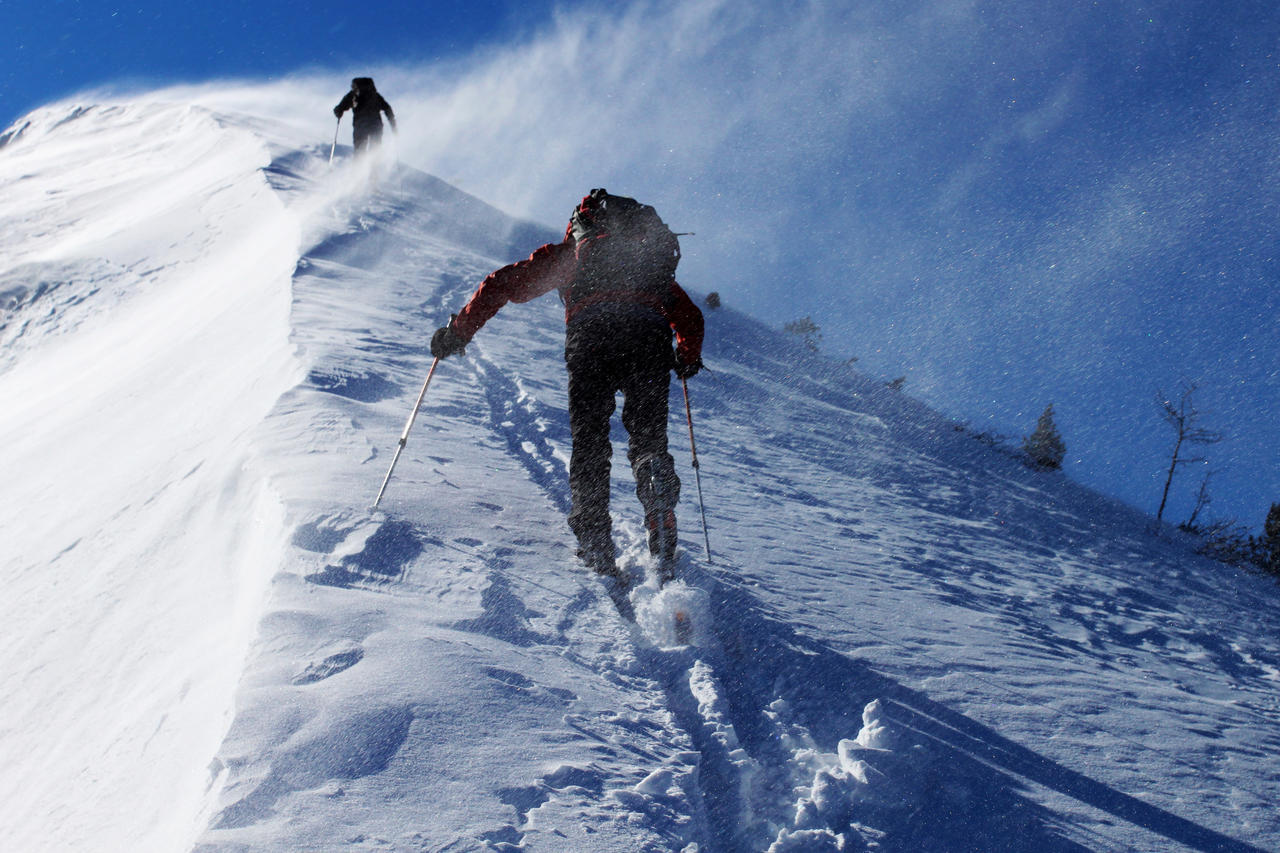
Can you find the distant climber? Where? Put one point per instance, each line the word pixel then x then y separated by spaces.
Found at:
pixel 366 105
pixel 615 272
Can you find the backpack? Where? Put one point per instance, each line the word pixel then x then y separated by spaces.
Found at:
pixel 362 87
pixel 625 253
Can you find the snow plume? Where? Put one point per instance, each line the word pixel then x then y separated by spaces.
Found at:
pixel 989 198
pixel 697 107
pixel 651 95
pixel 947 183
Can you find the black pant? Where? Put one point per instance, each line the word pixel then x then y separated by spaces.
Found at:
pixel 366 136
pixel 611 350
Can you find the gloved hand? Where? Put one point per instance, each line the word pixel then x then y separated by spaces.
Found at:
pixel 687 371
pixel 446 341
pixel 337 111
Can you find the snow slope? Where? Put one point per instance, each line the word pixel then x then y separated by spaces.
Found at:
pixel 903 640
pixel 146 288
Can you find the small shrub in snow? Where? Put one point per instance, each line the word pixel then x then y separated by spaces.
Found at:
pixel 806 330
pixel 1229 542
pixel 1224 540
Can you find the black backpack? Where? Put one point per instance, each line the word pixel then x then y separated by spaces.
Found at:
pixel 625 252
pixel 363 90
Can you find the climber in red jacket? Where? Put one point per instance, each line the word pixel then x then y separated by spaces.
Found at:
pixel 614 271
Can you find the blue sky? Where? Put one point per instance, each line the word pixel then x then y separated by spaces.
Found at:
pixel 1010 204
pixel 58 47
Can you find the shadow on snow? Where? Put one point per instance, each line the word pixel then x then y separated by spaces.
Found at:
pixel 969 789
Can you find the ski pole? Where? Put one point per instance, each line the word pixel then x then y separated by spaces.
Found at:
pixel 697 474
pixel 404 436
pixel 334 147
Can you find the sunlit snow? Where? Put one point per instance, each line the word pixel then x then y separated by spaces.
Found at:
pixel 902 639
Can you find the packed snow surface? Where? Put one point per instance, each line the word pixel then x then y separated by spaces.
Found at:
pixel 902 639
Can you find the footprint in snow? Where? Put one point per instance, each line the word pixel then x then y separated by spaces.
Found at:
pixel 329 666
pixel 377 553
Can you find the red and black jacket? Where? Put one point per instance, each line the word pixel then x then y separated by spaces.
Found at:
pixel 553 267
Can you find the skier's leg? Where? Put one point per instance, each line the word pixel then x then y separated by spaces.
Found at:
pixel 591 404
pixel 644 414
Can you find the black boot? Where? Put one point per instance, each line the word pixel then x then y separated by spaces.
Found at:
pixel 597 555
pixel 662 541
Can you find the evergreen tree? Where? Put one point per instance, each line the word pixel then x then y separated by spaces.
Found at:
pixel 1270 550
pixel 1044 447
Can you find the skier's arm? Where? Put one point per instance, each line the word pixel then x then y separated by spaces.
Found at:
pixel 386 108
pixel 686 319
pixel 344 104
pixel 546 269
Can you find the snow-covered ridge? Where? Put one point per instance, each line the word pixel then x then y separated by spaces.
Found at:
pixel 902 639
pixel 146 289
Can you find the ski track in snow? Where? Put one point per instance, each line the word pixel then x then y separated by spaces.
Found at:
pixel 710 790
pixel 743 800
pixel 750 771
pixel 904 641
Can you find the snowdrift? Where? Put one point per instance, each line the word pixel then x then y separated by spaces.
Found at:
pixel 902 639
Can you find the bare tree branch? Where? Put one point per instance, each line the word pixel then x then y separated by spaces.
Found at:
pixel 1184 418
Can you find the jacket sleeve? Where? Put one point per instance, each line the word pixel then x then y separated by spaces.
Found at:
pixel 386 108
pixel 549 267
pixel 344 104
pixel 686 320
